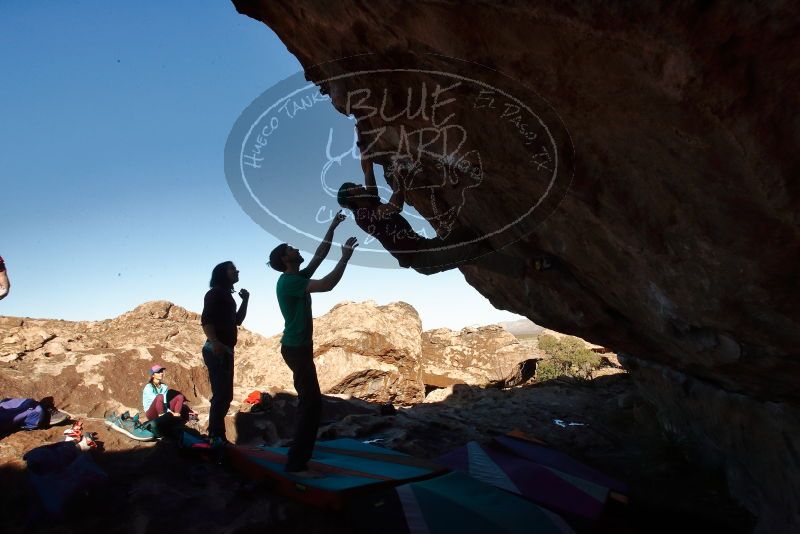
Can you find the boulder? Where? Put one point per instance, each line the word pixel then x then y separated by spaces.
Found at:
pixel 523 372
pixel 475 356
pixel 368 351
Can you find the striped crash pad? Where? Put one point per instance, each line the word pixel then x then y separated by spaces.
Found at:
pixel 450 503
pixel 349 466
pixel 540 474
pixel 559 461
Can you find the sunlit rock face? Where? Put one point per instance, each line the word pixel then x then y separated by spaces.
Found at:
pixel 91 367
pixel 474 356
pixel 361 349
pixel 675 231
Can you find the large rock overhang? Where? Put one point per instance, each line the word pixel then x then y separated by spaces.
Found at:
pixel 677 240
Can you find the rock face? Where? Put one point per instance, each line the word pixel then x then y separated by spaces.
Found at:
pixel 90 367
pixel 364 350
pixel 368 351
pixel 690 404
pixel 371 352
pixel 678 238
pixel 474 356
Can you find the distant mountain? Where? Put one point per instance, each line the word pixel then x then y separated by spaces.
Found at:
pixel 522 327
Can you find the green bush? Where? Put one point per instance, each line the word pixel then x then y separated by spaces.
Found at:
pixel 569 356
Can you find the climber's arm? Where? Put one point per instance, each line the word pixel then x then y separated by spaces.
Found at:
pixel 325 246
pixel 369 176
pixel 397 200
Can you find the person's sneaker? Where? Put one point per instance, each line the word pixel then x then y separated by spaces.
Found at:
pixel 112 418
pixel 56 417
pixel 125 424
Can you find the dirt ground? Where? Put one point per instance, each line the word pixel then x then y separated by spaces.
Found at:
pixel 155 487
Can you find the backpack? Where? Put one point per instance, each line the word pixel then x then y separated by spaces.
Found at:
pixel 20 413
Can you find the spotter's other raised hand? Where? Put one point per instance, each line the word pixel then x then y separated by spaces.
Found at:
pixel 348 247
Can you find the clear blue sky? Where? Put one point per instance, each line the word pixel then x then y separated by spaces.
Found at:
pixel 115 116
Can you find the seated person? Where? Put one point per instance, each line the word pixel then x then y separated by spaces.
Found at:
pixel 158 399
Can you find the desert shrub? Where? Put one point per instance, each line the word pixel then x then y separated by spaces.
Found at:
pixel 568 356
pixel 548 370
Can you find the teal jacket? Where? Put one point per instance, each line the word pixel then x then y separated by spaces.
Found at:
pixel 149 393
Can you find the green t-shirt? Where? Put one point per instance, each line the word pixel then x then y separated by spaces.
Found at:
pixel 295 304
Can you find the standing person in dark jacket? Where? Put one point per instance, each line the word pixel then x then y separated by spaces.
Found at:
pixel 220 321
pixel 294 290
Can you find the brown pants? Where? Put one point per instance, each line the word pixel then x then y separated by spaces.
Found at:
pixel 175 404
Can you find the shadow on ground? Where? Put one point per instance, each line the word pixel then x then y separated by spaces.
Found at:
pixel 157 487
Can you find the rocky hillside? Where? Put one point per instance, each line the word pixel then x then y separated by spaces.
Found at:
pixel 670 133
pixel 371 352
pixel 90 367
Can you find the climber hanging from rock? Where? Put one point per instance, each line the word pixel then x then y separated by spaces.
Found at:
pixel 385 222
